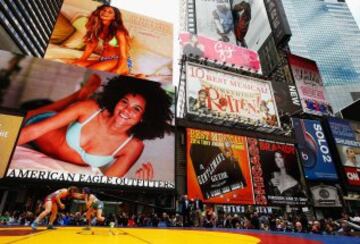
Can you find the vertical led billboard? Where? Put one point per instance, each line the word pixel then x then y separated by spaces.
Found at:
pixel 286 97
pixel 229 97
pixel 90 34
pixel 91 127
pixel 218 168
pixel 314 151
pixel 346 136
pixel 310 86
pixel 278 21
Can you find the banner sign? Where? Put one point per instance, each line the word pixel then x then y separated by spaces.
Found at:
pixel 314 151
pixel 218 168
pixel 214 19
pixel 346 135
pixel 232 55
pixel 325 196
pixel 229 97
pixel 133 44
pixel 281 174
pixel 257 172
pixel 310 86
pixel 89 126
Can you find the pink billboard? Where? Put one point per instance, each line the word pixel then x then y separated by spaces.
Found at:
pixel 204 47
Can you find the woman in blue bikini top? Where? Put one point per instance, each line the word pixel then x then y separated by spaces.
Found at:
pixel 107 133
pixel 106 34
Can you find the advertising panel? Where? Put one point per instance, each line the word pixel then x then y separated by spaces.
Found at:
pixel 325 196
pixel 310 86
pixel 214 19
pixel 10 125
pixel 279 24
pixel 218 168
pixel 257 172
pixel 91 127
pixel 253 31
pixel 232 55
pixel 251 23
pixel 314 151
pixel 229 97
pixel 105 38
pixel 241 22
pixel 281 174
pixel 346 135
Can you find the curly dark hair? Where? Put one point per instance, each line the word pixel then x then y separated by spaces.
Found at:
pixel 94 25
pixel 157 115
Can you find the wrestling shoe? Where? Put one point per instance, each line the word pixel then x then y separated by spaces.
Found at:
pixel 51 227
pixel 87 228
pixel 34 225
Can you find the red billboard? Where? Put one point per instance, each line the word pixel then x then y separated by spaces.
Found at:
pixel 218 169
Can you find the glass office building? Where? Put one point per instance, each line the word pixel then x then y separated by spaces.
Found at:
pixel 325 31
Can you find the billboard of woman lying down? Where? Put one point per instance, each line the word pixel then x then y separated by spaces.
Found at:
pixel 110 126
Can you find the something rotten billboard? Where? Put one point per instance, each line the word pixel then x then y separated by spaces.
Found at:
pixel 230 97
pixel 281 174
pixel 346 135
pixel 314 151
pixel 89 126
pixel 218 168
pixel 309 85
pixel 102 37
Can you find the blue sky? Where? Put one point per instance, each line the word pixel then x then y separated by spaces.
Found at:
pixel 354 6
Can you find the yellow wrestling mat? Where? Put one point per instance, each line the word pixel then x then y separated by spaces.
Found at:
pixel 120 235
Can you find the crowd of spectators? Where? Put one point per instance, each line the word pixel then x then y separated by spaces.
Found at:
pixel 193 213
pixel 208 219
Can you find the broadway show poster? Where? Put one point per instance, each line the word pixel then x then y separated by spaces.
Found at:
pixel 346 135
pixel 233 55
pixel 214 19
pixel 89 126
pixel 106 38
pixel 325 196
pixel 229 97
pixel 309 85
pixel 218 168
pixel 10 124
pixel 281 174
pixel 314 151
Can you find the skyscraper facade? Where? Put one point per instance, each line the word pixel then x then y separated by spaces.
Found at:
pixel 325 31
pixel 26 26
